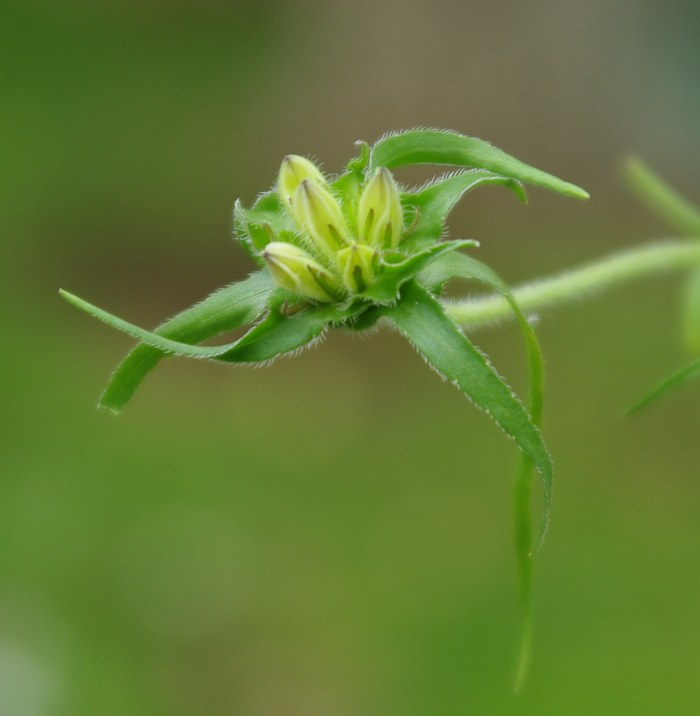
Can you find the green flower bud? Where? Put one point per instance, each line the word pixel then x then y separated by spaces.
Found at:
pixel 357 265
pixel 292 268
pixel 294 171
pixel 380 216
pixel 318 213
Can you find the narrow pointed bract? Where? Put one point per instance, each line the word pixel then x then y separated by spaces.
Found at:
pixel 294 269
pixel 380 216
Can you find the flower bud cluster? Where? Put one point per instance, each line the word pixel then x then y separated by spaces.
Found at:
pixel 332 261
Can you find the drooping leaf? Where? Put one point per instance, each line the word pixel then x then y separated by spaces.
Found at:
pixel 431 146
pixel 661 198
pixel 461 266
pixel 276 335
pixel 674 381
pixel 455 265
pixel 422 319
pixel 432 205
pixel 224 310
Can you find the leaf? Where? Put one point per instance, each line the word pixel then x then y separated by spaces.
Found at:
pixel 456 265
pixel 394 274
pixel 166 346
pixel 461 266
pixel 274 336
pixel 421 318
pixel 691 312
pixel 661 198
pixel 280 334
pixel 671 383
pixel 431 146
pixel 225 309
pixel 433 204
pixel 254 228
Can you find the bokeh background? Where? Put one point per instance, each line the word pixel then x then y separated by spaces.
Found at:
pixel 332 535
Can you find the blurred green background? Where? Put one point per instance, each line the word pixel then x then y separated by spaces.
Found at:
pixel 332 535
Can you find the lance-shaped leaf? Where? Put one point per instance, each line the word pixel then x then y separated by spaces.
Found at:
pixel 671 383
pixel 455 265
pixel 431 146
pixel 661 198
pixel 461 266
pixel 422 319
pixel 276 335
pixel 432 205
pixel 224 310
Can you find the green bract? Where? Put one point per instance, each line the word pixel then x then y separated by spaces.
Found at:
pixel 346 251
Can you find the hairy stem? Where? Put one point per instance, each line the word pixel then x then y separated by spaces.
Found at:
pixel 574 284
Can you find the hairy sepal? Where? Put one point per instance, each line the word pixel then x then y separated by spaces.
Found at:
pixel 257 226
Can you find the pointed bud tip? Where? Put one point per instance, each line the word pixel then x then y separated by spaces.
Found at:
pixel 293 170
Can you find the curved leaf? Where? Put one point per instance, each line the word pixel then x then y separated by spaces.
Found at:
pixel 671 383
pixel 431 146
pixel 456 265
pixel 224 310
pixel 276 335
pixel 422 319
pixel 461 266
pixel 661 198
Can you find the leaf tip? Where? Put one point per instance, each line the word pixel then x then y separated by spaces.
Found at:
pixel 111 409
pixel 577 192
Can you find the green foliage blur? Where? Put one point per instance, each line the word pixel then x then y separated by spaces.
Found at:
pixel 332 534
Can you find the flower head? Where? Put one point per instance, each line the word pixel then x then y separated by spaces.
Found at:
pixel 344 229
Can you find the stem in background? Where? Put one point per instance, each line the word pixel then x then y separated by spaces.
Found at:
pixel 622 267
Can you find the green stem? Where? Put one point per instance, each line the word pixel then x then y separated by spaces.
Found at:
pixel 619 268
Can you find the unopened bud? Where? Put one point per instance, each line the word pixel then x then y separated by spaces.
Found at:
pixel 357 265
pixel 380 216
pixel 294 171
pixel 292 268
pixel 318 213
